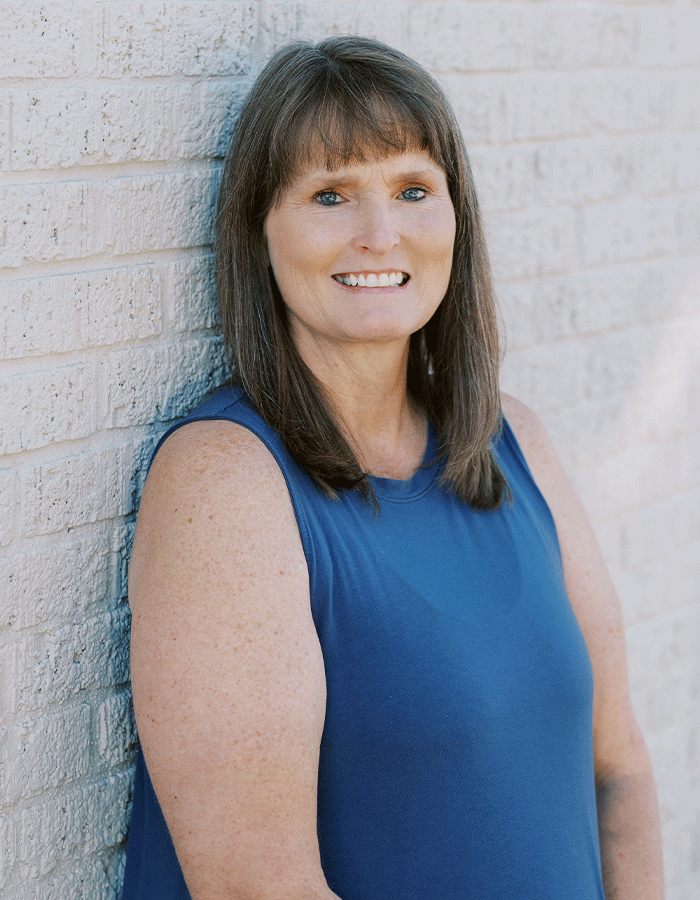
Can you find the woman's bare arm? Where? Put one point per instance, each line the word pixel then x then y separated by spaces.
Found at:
pixel 227 672
pixel 628 816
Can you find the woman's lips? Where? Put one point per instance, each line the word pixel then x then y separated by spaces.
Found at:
pixel 393 278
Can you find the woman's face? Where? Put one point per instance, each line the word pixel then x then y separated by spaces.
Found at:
pixel 362 254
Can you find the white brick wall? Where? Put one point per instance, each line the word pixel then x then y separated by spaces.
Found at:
pixel 583 121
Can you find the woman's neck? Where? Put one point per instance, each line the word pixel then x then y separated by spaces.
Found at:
pixel 367 390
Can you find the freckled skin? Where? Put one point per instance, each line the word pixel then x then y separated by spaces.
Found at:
pixel 393 214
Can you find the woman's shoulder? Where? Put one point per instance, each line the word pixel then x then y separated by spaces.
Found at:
pixel 539 452
pixel 532 437
pixel 205 451
pixel 223 437
pixel 208 479
pixel 525 425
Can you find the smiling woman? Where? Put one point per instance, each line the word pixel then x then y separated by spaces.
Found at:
pixel 376 654
pixel 362 254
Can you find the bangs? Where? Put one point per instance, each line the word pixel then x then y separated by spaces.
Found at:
pixel 352 129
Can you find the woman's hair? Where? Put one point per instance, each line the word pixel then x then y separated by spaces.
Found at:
pixel 351 99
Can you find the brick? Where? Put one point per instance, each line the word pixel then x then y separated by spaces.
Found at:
pixel 573 172
pixel 88 880
pixel 669 409
pixel 688 224
pixel 61 127
pixel 517 308
pixel 642 474
pixel 628 230
pixel 665 647
pixel 607 426
pixel 176 38
pixel 504 178
pixel 7 846
pixel 282 22
pixel 531 243
pixel 192 301
pixel 69 492
pixel 203 118
pixel 155 212
pixel 655 162
pixel 55 667
pixel 491 36
pixel 632 101
pixel 480 105
pixel 688 162
pixel 668 37
pixel 71 220
pixel 567 36
pixel 589 430
pixel 656 532
pixel 4 130
pixel 7 506
pixel 116 729
pixel 494 108
pixel 582 304
pixel 121 305
pixel 675 758
pixel 650 584
pixel 43 222
pixel 681 848
pixel 685 91
pixel 42 408
pixel 546 105
pixel 544 377
pixel 40 40
pixel 122 544
pixel 55 314
pixel 143 386
pixel 81 822
pixel 58 582
pixel 590 171
pixel 611 299
pixel 658 713
pixel 45 753
pixel 618 361
pixel 543 106
pixel 34 320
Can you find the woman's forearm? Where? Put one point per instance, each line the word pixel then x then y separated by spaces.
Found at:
pixel 630 838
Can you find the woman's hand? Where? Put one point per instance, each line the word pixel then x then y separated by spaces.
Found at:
pixel 628 818
pixel 228 678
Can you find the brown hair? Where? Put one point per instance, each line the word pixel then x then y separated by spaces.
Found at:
pixel 356 98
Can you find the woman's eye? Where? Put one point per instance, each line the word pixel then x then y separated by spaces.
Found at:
pixel 414 193
pixel 327 198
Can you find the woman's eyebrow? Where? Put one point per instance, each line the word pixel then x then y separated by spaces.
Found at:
pixel 339 177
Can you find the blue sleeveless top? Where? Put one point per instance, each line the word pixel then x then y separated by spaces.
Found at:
pixel 456 759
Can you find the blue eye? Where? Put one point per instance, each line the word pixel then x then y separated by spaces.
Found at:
pixel 327 198
pixel 414 193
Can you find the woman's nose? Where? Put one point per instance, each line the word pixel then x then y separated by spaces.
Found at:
pixel 377 228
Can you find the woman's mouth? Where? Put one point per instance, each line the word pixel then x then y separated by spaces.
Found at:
pixel 372 279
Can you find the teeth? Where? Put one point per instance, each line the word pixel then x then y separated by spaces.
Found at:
pixel 384 279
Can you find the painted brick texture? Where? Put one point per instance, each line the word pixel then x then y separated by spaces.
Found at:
pixel 583 124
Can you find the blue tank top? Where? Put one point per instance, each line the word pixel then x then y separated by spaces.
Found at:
pixel 456 759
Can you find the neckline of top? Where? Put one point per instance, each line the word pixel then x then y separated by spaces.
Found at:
pixel 410 488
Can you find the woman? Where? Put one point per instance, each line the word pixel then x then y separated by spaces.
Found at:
pixel 356 670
